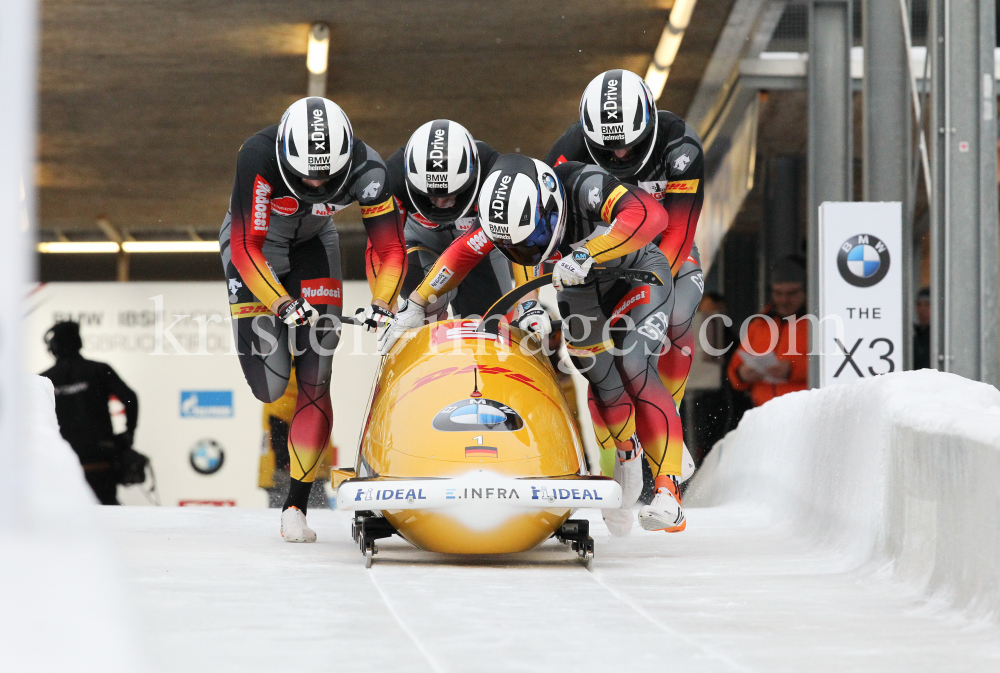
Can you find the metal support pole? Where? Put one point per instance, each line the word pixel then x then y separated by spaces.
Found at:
pixel 965 335
pixel 781 235
pixel 886 129
pixel 830 119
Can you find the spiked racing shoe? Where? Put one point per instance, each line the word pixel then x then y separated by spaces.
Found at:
pixel 665 512
pixel 294 528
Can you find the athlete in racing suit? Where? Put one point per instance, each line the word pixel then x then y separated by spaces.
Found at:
pixel 281 257
pixel 430 230
pixel 669 165
pixel 615 318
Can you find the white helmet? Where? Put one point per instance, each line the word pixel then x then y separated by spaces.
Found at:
pixel 442 161
pixel 522 210
pixel 618 112
pixel 315 142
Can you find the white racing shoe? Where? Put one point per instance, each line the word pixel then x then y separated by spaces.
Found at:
pixel 665 512
pixel 628 474
pixel 618 521
pixel 294 528
pixel 687 465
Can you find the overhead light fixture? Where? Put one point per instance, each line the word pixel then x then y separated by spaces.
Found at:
pixel 318 58
pixel 78 246
pixel 127 246
pixel 670 42
pixel 318 54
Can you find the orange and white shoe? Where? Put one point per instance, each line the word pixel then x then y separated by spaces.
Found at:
pixel 665 512
pixel 294 528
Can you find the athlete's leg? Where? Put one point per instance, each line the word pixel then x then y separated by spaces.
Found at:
pixel 588 348
pixel 675 364
pixel 604 439
pixel 315 271
pixel 657 422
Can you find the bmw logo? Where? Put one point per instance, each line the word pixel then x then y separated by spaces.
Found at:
pixel 549 182
pixel 863 260
pixel 207 456
pixel 477 414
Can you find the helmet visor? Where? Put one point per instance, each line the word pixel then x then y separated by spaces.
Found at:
pixel 550 224
pixel 623 162
pixel 321 193
pixel 445 208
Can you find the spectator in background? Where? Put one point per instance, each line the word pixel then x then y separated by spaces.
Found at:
pixel 83 388
pixel 707 409
pixel 765 373
pixel 922 330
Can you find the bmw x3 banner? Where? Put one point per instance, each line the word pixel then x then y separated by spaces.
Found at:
pixel 860 291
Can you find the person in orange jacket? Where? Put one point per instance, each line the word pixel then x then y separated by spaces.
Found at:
pixel 765 373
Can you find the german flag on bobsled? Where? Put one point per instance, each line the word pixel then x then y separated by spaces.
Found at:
pixel 470 447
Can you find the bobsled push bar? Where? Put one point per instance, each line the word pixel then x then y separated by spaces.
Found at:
pixel 505 304
pixel 379 493
pixel 368 495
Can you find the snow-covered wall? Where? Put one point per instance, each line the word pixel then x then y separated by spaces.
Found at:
pixel 900 471
pixel 61 604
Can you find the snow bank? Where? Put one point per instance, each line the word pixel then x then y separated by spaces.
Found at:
pixel 61 607
pixel 901 471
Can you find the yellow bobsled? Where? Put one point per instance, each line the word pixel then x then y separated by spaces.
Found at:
pixel 469 447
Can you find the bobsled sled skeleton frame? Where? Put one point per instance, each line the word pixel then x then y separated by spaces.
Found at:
pixel 469 446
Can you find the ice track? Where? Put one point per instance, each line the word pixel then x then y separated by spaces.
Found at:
pixel 218 590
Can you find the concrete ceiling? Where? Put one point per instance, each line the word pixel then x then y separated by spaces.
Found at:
pixel 143 105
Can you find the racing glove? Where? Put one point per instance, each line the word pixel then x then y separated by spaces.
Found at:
pixel 375 316
pixel 409 316
pixel 572 270
pixel 298 312
pixel 531 317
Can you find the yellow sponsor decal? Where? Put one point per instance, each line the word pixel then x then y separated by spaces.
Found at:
pixel 682 187
pixel 380 209
pixel 584 351
pixel 609 203
pixel 249 310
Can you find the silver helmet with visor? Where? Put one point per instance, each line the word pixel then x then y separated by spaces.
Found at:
pixel 315 142
pixel 522 209
pixel 618 116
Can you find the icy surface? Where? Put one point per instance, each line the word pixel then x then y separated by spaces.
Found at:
pixel 218 590
pixel 847 529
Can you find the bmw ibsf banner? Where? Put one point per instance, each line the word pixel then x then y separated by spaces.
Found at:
pixel 860 290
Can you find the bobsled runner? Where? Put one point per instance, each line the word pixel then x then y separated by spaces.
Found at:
pixel 469 446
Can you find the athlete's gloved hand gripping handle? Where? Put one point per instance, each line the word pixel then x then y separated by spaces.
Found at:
pixel 297 312
pixel 531 317
pixel 410 315
pixel 375 316
pixel 572 270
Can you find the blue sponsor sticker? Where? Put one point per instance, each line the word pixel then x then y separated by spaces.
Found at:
pixel 206 404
